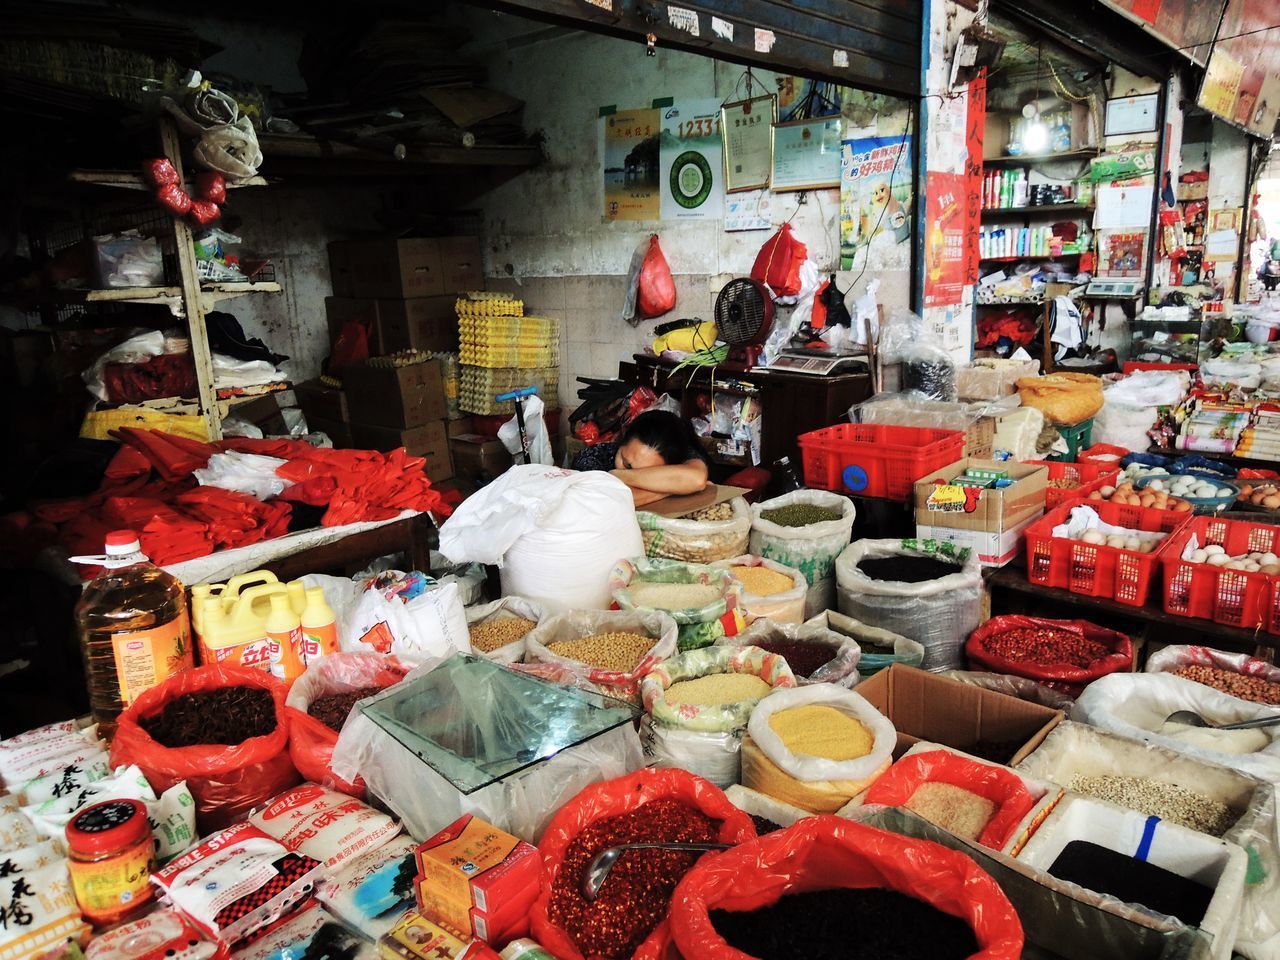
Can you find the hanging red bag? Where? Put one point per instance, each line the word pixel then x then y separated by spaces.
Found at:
pixel 656 289
pixel 613 798
pixel 311 741
pixel 828 852
pixel 779 261
pixel 1000 785
pixel 352 346
pixel 227 781
pixel 1028 653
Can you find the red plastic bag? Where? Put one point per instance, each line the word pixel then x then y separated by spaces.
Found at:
pixel 311 743
pixel 656 291
pixel 173 198
pixel 226 781
pixel 204 212
pixel 1063 676
pixel 1000 785
pixel 613 798
pixel 160 172
pixel 352 346
pixel 826 852
pixel 211 186
pixel 779 261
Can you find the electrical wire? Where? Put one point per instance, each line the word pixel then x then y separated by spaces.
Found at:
pixel 902 143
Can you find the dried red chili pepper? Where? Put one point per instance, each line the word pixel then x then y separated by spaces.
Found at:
pixel 1047 645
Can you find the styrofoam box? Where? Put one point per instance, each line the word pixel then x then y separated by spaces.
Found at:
pixel 1215 863
pixel 756 804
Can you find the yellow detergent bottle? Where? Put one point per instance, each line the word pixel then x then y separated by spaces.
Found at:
pixel 319 627
pixel 284 636
pixel 297 596
pixel 236 634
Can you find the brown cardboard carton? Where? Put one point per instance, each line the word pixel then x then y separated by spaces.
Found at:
pixel 424 323
pixel 398 397
pixel 924 706
pixel 988 521
pixel 319 401
pixel 478 458
pixel 456 428
pixel 428 440
pixel 339 310
pixel 461 264
pixel 340 268
pixel 337 431
pixel 395 269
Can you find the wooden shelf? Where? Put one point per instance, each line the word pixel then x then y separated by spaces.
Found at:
pixel 1087 153
pixel 1011 303
pixel 168 296
pixel 1029 256
pixel 128 180
pixel 1038 208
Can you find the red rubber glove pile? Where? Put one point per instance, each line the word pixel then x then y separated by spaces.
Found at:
pixel 148 487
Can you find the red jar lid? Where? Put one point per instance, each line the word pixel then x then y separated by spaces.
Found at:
pixel 107 827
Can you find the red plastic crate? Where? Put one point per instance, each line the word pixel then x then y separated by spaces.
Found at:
pixel 1089 476
pixel 876 459
pixel 1232 597
pixel 1100 571
pixel 1104 453
pixel 1132 366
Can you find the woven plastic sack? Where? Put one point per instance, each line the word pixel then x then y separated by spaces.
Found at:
pixel 821 853
pixel 1000 785
pixel 614 798
pixel 880 648
pixel 226 781
pixel 1065 677
pixel 778 263
pixel 1176 656
pixel 939 614
pixel 1011 686
pixel 506 609
pixel 585 623
pixel 311 743
pixel 696 541
pixel 1065 399
pixel 813 549
pixel 724 718
pixel 713 756
pixel 784 607
pixel 813 783
pixel 699 627
pixel 841 669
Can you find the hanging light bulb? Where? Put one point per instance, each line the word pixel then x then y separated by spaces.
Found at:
pixel 1035 135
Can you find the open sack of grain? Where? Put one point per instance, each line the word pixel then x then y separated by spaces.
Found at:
pixel 703 600
pixel 815 747
pixel 880 648
pixel 498 629
pixel 769 589
pixel 1235 674
pixel 608 650
pixel 712 533
pixel 814 653
pixel 805 530
pixel 698 704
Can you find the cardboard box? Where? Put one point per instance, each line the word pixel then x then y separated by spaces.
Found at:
pixel 924 706
pixel 339 310
pixel 424 323
pixel 414 937
pixel 321 401
pixel 395 269
pixel 427 440
pixel 340 268
pixel 456 428
pixel 398 397
pixel 338 431
pixel 263 412
pixel 989 521
pixel 478 458
pixel 461 264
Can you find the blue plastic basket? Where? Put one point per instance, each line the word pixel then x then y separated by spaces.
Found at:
pixel 1206 505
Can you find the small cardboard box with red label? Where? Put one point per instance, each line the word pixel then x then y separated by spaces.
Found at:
pixel 982 505
pixel 476 878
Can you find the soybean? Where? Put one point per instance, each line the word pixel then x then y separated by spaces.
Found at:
pixel 616 651
pixel 493 634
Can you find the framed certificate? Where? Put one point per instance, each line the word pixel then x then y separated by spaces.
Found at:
pixel 806 154
pixel 747 127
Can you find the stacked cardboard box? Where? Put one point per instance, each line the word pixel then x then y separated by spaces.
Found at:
pixel 400 406
pixel 326 411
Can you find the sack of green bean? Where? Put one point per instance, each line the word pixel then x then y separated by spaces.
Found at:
pixel 769 589
pixel 712 533
pixel 497 629
pixel 607 650
pixel 814 653
pixel 704 601
pixel 805 530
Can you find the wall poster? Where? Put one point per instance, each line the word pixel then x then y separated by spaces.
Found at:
pixel 630 142
pixel 946 256
pixel 691 169
pixel 876 197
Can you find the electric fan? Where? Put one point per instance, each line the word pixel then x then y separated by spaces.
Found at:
pixel 744 316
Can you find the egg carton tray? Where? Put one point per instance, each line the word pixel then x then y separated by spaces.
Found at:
pixel 477 386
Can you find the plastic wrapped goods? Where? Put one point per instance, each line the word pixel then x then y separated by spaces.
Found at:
pixel 1132 405
pixel 811 548
pixel 939 612
pixel 693 540
pixel 1065 399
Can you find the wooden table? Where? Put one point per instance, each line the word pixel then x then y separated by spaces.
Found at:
pixel 413 536
pixel 1011 592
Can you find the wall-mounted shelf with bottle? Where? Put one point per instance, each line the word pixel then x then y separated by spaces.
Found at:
pixel 1029 256
pixel 1033 209
pixel 1085 153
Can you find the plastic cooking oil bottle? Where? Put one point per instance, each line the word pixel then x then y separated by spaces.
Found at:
pixel 132 621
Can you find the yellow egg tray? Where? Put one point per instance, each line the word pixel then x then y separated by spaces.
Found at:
pixel 482 304
pixel 479 385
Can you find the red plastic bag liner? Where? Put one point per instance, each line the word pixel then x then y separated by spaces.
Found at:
pixel 311 743
pixel 227 781
pixel 828 852
pixel 613 798
pixel 352 346
pixel 1065 677
pixel 656 292
pixel 1000 785
pixel 779 261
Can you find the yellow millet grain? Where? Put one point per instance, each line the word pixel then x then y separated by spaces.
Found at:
pixel 718 689
pixel 820 731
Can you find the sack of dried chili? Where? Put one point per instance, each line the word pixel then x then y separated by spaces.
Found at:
pixel 629 908
pixel 238 752
pixel 1066 655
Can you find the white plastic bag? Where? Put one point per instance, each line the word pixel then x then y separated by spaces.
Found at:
pixel 713 756
pixel 557 534
pixel 813 549
pixel 535 428
pixel 1137 705
pixel 940 614
pixel 432 624
pixel 1130 407
pixel 249 473
pixel 505 609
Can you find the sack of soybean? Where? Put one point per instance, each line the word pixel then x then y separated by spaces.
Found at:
pixel 805 530
pixel 491 633
pixel 816 747
pixel 603 650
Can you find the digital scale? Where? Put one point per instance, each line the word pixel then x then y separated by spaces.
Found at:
pixel 1111 288
pixel 816 364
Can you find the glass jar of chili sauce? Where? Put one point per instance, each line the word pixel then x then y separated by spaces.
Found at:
pixel 110 857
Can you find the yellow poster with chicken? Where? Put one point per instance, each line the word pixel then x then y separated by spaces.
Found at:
pixel 875 195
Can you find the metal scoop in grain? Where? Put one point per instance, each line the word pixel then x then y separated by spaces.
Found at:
pixel 597 871
pixel 1193 719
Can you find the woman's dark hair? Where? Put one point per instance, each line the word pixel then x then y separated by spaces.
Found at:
pixel 671 436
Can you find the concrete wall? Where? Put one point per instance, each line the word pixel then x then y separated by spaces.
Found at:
pixel 546 238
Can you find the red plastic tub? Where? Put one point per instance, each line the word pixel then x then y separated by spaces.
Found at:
pixel 1106 454
pixel 1232 597
pixel 1087 476
pixel 876 459
pixel 1098 570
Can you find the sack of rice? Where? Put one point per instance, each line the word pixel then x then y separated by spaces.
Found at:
pixel 704 601
pixel 815 747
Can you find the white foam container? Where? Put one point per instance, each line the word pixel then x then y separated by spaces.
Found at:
pixel 1215 863
pixel 756 804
